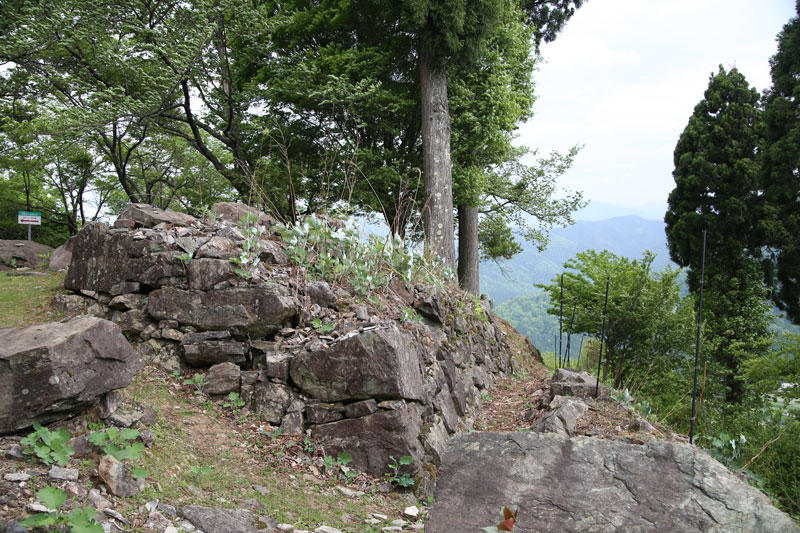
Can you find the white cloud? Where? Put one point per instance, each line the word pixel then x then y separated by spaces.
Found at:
pixel 624 77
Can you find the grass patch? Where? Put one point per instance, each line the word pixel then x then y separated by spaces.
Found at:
pixel 202 456
pixel 26 300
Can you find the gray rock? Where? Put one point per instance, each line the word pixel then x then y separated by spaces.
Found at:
pixel 228 520
pixel 128 301
pixel 19 253
pixel 372 439
pixel 257 311
pixel 376 363
pixel 61 257
pixel 320 293
pixel 563 418
pixel 271 400
pixel 102 260
pixel 118 478
pixel 17 476
pixel 205 273
pixel 572 383
pixel 322 413
pixel 71 304
pixel 272 253
pixel 125 418
pixel 222 378
pixel 236 212
pixel 133 321
pixel 49 370
pixel 586 484
pixel 292 423
pixel 217 248
pixel 199 353
pixel 63 474
pixel 147 216
pixel 359 409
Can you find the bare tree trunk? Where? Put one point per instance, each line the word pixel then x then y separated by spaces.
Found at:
pixel 438 212
pixel 468 258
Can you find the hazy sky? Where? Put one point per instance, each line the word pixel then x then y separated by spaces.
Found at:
pixel 624 76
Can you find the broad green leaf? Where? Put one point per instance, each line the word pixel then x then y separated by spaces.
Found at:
pixel 39 520
pixel 344 458
pixel 51 497
pixel 405 460
pixel 139 473
pixel 129 434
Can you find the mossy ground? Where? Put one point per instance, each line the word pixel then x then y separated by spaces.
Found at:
pixel 26 300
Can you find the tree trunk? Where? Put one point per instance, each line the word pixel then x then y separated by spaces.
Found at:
pixel 438 212
pixel 468 259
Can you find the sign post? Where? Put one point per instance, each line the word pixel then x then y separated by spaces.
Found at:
pixel 31 218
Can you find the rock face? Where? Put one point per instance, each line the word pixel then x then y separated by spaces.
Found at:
pixel 586 484
pixel 568 382
pixel 50 369
pixel 61 257
pixel 371 384
pixel 375 364
pixel 18 253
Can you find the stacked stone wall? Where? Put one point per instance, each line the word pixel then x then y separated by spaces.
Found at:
pixel 376 385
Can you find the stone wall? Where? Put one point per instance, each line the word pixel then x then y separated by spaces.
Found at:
pixel 375 385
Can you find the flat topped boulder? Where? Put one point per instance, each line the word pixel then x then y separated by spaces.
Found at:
pixel 568 382
pixel 49 370
pixel 238 213
pixel 254 311
pixel 379 363
pixel 17 253
pixel 587 484
pixel 147 216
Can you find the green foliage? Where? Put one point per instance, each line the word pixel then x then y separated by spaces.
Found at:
pixel 338 255
pixel 49 446
pixel 649 326
pixel 409 314
pixel 339 464
pixel 79 520
pixel 248 259
pixel 118 442
pixel 234 401
pixel 323 327
pixel 778 370
pixel 779 224
pixel 198 381
pixel 394 476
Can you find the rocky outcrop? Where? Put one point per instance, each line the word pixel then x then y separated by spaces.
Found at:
pixel 48 370
pixel 18 253
pixel 375 384
pixel 568 382
pixel 588 484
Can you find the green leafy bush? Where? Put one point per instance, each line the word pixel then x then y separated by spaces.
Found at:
pixel 338 254
pixel 394 475
pixel 49 446
pixel 79 520
pixel 118 443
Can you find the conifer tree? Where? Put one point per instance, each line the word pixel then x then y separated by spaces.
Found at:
pixel 717 190
pixel 780 229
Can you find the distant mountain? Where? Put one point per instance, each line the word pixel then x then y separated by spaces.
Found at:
pixel 603 211
pixel 626 236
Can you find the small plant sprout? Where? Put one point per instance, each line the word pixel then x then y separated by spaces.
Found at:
pixel 248 259
pixel 49 446
pixel 118 443
pixel 322 327
pixel 339 464
pixel 409 314
pixel 394 475
pixel 79 520
pixel 198 380
pixel 234 402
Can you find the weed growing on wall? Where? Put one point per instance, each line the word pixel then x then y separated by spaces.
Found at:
pixel 339 254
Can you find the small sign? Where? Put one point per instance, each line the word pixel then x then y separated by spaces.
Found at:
pixel 29 217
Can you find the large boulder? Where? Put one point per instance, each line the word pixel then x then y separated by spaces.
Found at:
pixel 49 370
pixel 61 257
pixel 568 382
pixel 147 216
pixel 370 440
pixel 379 363
pixel 250 311
pixel 237 213
pixel 103 259
pixel 587 484
pixel 17 253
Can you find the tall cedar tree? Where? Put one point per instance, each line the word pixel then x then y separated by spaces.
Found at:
pixel 717 189
pixel 781 172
